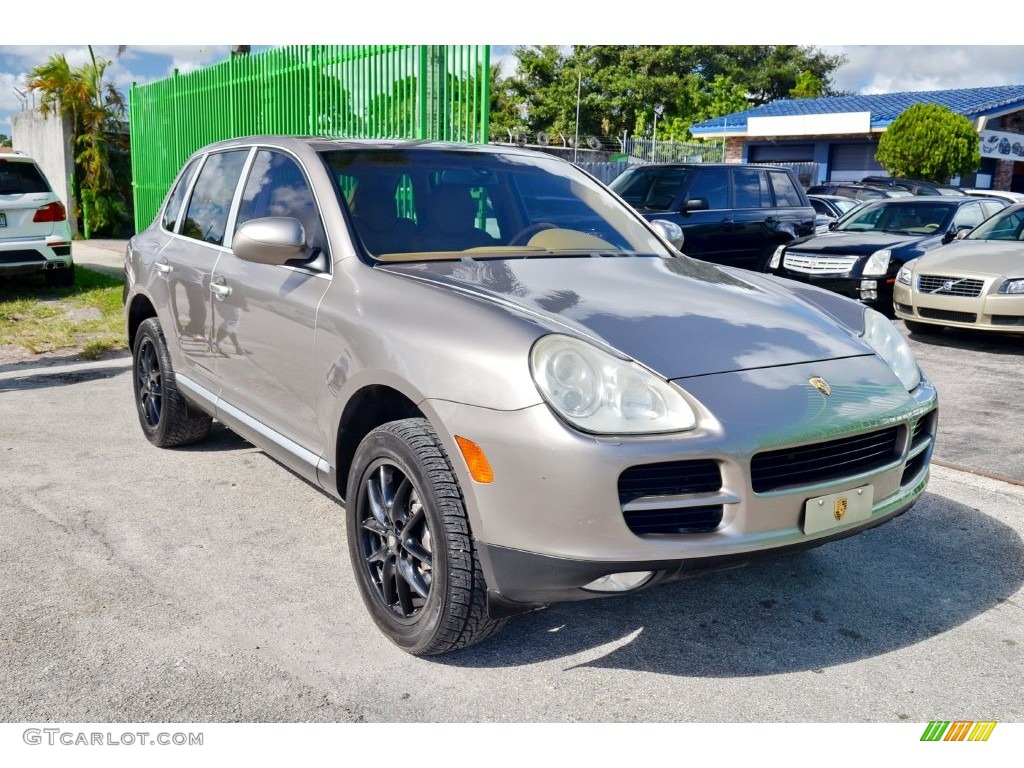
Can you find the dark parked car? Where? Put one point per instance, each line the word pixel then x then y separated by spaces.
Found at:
pixel 730 214
pixel 515 412
pixel 861 255
pixel 913 186
pixel 857 190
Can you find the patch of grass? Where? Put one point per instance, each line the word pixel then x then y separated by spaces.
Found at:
pixel 41 318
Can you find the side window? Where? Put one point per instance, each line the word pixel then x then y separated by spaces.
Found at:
pixel 786 194
pixel 173 209
pixel 751 188
pixel 969 215
pixel 990 208
pixel 207 215
pixel 713 186
pixel 277 187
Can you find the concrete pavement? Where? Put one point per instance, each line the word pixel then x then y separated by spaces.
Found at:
pixel 106 256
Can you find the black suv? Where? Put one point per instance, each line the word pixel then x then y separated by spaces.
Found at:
pixel 731 214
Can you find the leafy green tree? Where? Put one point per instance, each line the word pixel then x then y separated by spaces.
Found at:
pixel 621 84
pixel 808 86
pixel 929 142
pixel 5 140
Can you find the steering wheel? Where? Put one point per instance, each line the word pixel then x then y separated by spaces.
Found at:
pixel 522 237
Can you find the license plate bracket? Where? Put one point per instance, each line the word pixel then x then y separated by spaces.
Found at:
pixel 838 509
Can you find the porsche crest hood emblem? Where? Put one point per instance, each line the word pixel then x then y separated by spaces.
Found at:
pixel 821 385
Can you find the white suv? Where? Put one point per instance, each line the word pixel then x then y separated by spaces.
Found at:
pixel 35 234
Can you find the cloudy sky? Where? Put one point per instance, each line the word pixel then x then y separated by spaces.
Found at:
pixel 897 54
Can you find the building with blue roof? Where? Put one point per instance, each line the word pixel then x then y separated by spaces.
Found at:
pixel 838 135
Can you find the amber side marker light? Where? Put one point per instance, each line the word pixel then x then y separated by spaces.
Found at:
pixel 478 465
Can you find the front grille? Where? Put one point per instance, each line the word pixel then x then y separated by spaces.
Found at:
pixel 824 462
pixel 678 520
pixel 913 468
pixel 669 478
pixel 11 257
pixel 1007 319
pixel 819 265
pixel 941 285
pixel 945 314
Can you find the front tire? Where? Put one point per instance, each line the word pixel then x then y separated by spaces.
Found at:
pixel 166 417
pixel 410 544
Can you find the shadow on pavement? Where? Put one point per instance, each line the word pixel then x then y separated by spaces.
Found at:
pixel 925 573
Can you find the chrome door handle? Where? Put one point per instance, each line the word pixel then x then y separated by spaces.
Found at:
pixel 163 267
pixel 222 291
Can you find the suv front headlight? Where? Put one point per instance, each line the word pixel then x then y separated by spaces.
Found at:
pixel 599 393
pixel 1015 285
pixel 905 275
pixel 889 344
pixel 777 257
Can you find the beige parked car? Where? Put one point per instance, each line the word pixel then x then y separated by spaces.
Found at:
pixel 974 282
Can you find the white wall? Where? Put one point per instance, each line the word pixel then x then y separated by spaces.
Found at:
pixel 45 140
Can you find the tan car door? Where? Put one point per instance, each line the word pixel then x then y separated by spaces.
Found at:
pixel 264 316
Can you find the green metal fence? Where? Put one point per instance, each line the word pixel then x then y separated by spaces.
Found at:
pixel 355 91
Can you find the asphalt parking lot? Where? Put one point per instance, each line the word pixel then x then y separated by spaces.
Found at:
pixel 210 584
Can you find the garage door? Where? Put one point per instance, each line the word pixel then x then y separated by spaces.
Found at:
pixel 852 162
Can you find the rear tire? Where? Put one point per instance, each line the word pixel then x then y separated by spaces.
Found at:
pixel 167 418
pixel 411 548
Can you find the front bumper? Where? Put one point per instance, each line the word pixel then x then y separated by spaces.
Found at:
pixel 553 520
pixel 990 311
pixel 874 290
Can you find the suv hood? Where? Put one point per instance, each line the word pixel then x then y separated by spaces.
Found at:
pixel 679 317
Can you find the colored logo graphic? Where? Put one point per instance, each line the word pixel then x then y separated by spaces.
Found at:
pixel 959 730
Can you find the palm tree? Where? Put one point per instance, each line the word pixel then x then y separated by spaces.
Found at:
pixel 92 108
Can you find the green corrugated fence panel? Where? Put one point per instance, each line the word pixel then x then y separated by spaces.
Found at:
pixel 336 91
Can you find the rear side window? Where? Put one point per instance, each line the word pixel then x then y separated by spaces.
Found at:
pixel 207 215
pixel 173 209
pixel 751 188
pixel 786 193
pixel 711 185
pixel 19 178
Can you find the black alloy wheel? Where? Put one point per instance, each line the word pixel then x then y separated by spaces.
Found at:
pixel 166 417
pixel 396 541
pixel 410 542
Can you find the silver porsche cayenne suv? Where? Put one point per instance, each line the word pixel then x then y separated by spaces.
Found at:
pixel 520 391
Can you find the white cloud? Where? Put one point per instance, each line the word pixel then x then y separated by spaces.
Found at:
pixel 890 69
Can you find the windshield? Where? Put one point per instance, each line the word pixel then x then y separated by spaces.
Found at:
pixel 910 218
pixel 415 204
pixel 1006 225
